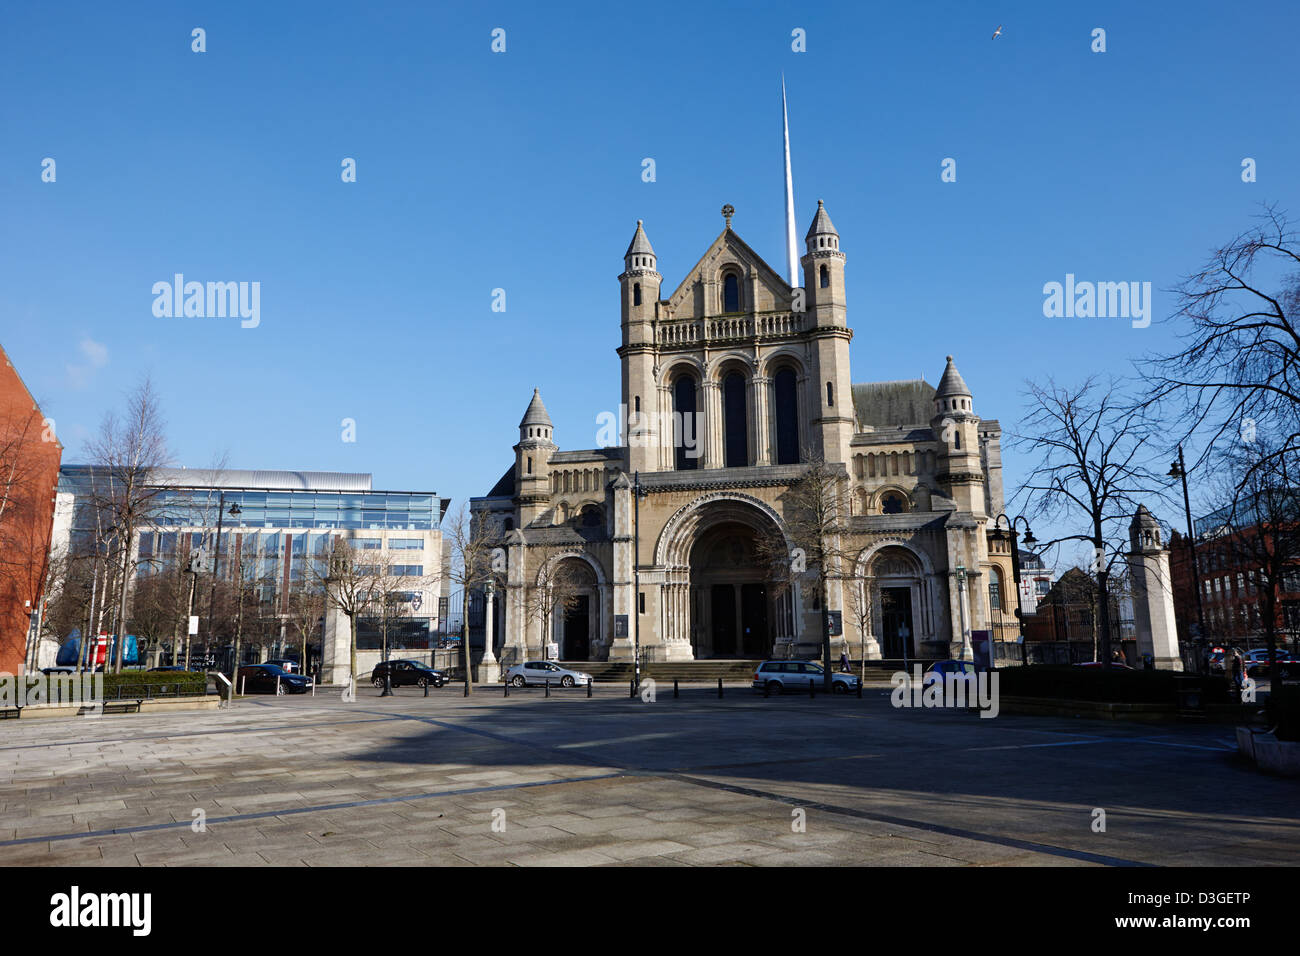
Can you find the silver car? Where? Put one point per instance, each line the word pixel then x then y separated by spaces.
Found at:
pixel 779 676
pixel 539 672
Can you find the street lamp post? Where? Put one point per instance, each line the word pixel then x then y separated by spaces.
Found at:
pixel 216 564
pixel 1015 569
pixel 638 492
pixel 961 611
pixel 1179 470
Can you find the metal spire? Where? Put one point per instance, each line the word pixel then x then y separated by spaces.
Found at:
pixel 791 259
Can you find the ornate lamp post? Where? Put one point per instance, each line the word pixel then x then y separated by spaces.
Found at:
pixel 966 654
pixel 1030 540
pixel 216 564
pixel 638 492
pixel 1178 470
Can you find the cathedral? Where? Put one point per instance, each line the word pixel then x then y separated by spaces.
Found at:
pixel 732 384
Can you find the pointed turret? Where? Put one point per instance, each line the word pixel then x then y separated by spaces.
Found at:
pixel 952 395
pixel 535 416
pixel 640 254
pixel 533 461
pixel 821 234
pixel 956 429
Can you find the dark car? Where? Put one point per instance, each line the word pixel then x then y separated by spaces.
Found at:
pixel 164 667
pixel 1257 661
pixel 270 679
pixel 407 674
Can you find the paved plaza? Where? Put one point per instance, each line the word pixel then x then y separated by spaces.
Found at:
pixel 567 780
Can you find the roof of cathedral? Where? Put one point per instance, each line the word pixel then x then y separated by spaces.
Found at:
pixel 536 414
pixel 640 243
pixel 909 402
pixel 952 383
pixel 505 487
pixel 821 224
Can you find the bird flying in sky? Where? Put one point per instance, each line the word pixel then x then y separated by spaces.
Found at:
pixel 997 33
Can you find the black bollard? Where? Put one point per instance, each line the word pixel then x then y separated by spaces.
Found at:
pixel 506 688
pixel 859 690
pixel 719 687
pixel 548 688
pixel 589 683
pixel 767 689
pixel 631 688
pixel 674 688
pixel 812 688
pixel 426 688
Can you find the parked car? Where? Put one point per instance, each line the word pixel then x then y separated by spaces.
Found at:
pixel 164 667
pixel 448 643
pixel 289 665
pixel 262 679
pixel 539 672
pixel 939 670
pixel 1257 661
pixel 779 676
pixel 406 674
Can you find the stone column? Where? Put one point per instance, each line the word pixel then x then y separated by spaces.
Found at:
pixel 762 427
pixel 712 395
pixel 489 671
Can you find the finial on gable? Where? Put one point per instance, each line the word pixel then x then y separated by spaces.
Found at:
pixel 727 212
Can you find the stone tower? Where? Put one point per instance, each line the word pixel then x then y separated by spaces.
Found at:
pixel 532 461
pixel 1153 592
pixel 956 426
pixel 639 285
pixel 823 269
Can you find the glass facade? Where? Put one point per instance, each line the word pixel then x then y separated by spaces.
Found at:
pixel 266 508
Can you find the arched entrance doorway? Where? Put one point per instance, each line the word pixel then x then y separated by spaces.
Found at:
pixel 576 618
pixel 732 593
pixel 899 588
pixel 720 591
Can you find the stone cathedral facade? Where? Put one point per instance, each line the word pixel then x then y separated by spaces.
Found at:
pixel 732 381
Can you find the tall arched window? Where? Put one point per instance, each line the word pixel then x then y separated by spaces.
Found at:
pixel 735 422
pixel 995 590
pixel 636 293
pixel 731 293
pixel 786 406
pixel 825 277
pixel 686 436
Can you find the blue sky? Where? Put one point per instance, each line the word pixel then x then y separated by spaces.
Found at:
pixel 522 171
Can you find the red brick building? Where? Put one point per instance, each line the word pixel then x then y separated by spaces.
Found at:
pixel 1230 592
pixel 29 474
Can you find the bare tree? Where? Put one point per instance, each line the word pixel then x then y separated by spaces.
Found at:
pixel 391 600
pixel 1092 471
pixel 859 609
pixel 348 584
pixel 816 516
pixel 127 453
pixel 471 566
pixel 1259 529
pixel 557 586
pixel 1239 367
pixel 307 603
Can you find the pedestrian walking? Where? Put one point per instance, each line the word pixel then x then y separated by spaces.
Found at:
pixel 844 661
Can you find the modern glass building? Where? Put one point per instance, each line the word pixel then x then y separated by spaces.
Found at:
pixel 276 527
